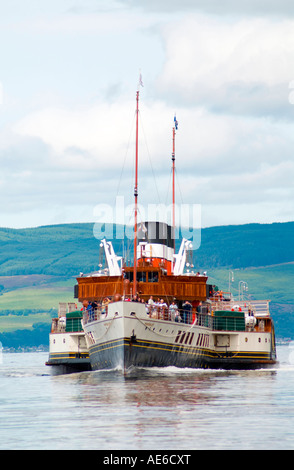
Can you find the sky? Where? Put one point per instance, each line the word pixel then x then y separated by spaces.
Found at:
pixel 69 73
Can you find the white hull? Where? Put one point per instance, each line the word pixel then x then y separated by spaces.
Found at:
pixel 68 350
pixel 128 337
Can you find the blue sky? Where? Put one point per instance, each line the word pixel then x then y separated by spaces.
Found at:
pixel 69 73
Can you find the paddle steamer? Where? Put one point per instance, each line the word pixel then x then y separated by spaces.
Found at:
pixel 189 324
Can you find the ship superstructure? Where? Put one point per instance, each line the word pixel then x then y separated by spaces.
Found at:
pixel 172 319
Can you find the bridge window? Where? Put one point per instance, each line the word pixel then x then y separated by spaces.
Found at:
pixel 153 276
pixel 141 276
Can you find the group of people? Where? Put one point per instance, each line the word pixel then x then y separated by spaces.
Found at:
pixel 159 309
pixel 90 308
pixel 154 309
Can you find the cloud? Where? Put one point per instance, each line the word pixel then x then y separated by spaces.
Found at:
pixel 86 156
pixel 68 137
pixel 241 67
pixel 226 7
pixel 81 137
pixel 96 19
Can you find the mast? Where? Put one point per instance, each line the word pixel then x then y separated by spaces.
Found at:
pixel 136 199
pixel 173 163
pixel 174 168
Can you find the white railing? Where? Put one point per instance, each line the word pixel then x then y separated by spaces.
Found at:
pixel 259 308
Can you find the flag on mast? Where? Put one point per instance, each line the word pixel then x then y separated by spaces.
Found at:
pixel 176 122
pixel 140 81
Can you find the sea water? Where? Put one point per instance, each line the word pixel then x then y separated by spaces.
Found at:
pixel 160 409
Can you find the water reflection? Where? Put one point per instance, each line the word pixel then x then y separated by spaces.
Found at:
pixel 148 408
pixel 163 388
pixel 171 408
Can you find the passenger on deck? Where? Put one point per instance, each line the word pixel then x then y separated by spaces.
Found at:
pixel 178 317
pixel 173 308
pixel 105 303
pixel 94 305
pixel 156 308
pixel 89 310
pixel 187 312
pixel 150 305
pixel 162 309
pixel 150 301
pixel 147 308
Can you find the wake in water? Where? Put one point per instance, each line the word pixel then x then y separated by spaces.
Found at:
pixel 172 371
pixel 285 363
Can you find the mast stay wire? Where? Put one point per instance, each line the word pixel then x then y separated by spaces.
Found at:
pixel 179 187
pixel 122 244
pixel 125 157
pixel 150 161
pixel 168 187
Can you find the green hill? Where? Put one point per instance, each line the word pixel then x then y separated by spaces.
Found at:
pixel 65 250
pixel 54 250
pixel 38 267
pixel 242 246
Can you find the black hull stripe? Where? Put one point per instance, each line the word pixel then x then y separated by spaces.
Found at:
pixel 68 362
pixel 124 347
pixel 68 356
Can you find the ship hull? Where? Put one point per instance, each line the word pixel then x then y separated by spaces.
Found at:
pixel 68 352
pixel 127 338
pixel 69 360
pixel 125 354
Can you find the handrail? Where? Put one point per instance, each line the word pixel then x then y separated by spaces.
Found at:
pixel 257 307
pixel 66 325
pixel 233 321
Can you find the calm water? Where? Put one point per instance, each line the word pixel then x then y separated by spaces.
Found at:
pixel 169 409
